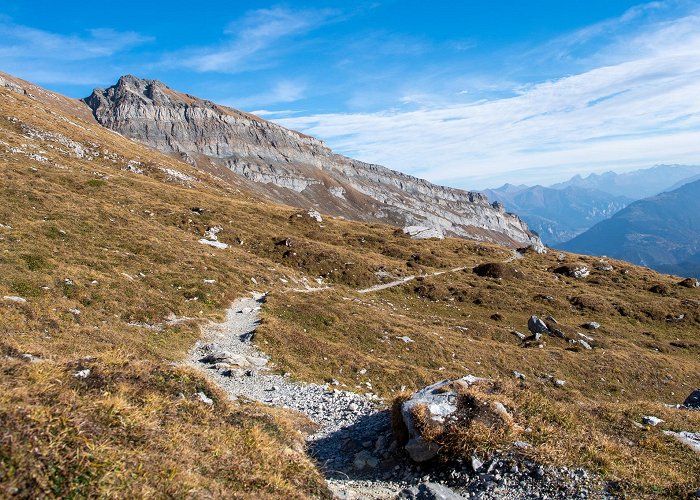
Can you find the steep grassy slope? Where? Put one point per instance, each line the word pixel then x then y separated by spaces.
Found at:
pixel 100 235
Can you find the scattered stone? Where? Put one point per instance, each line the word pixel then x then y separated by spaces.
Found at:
pixel 205 399
pixel 573 271
pixel 557 333
pixel 212 233
pixel 216 244
pixel 82 373
pixel 691 439
pixel 429 491
pixel 211 238
pixel 693 400
pixel 14 298
pixel 421 450
pixel 585 337
pixel 222 357
pixel 592 325
pixel 675 319
pixel 315 215
pixel 518 375
pixel 585 344
pixel 690 283
pixel 423 232
pixel 476 464
pixel 365 459
pixel 406 339
pixel 522 444
pixel 440 400
pixel 606 268
pixel 560 382
pixel 518 334
pixel 651 420
pixel 536 325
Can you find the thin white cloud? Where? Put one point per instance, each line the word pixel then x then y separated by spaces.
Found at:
pixel 638 111
pixel 283 91
pixel 48 57
pixel 258 33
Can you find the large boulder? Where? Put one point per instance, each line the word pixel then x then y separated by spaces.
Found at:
pixel 536 325
pixel 437 413
pixel 693 401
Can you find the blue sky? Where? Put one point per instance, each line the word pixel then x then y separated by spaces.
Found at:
pixel 470 94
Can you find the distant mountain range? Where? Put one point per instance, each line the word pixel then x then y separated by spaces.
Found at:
pixel 637 184
pixel 661 232
pixel 562 211
pixel 558 215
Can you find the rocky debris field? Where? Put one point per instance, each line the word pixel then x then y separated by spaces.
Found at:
pixel 354 444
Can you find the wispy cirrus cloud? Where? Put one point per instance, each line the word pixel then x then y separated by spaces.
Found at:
pixel 281 92
pixel 48 57
pixel 253 41
pixel 633 108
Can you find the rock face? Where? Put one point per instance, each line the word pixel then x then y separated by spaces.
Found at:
pixel 292 168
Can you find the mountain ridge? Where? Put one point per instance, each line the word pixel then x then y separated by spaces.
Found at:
pixel 636 184
pixel 293 168
pixel 558 215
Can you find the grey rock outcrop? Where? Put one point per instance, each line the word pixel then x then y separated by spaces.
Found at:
pixel 536 325
pixel 292 168
pixel 693 400
pixel 441 402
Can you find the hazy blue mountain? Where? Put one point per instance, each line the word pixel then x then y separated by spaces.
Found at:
pixel 683 182
pixel 661 232
pixel 558 215
pixel 637 184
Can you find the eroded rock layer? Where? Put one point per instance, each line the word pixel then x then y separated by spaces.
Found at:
pixel 289 167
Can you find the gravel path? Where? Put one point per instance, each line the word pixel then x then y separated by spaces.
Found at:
pixel 354 445
pixel 406 279
pixel 242 371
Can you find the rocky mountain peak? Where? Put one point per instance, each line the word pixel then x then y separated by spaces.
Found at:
pixel 290 167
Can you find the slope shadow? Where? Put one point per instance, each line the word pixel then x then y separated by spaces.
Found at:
pixel 364 450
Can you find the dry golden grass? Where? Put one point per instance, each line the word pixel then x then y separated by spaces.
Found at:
pixel 127 244
pixel 601 436
pixel 136 429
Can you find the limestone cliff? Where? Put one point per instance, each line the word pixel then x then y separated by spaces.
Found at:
pixel 289 167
